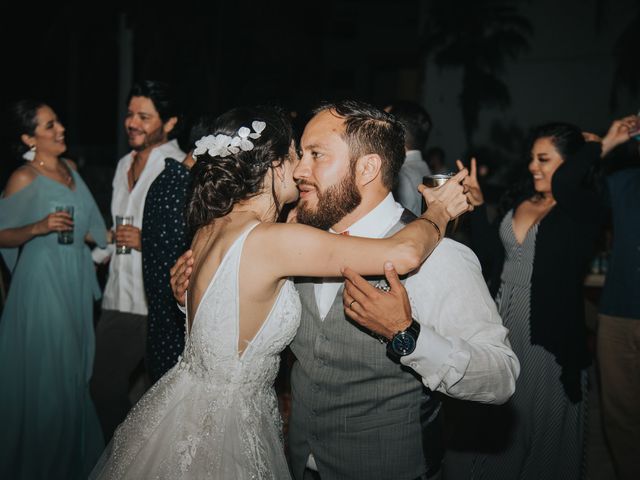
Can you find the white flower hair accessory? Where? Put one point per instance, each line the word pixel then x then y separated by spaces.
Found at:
pixel 223 145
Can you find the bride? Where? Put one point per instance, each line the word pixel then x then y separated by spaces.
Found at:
pixel 215 414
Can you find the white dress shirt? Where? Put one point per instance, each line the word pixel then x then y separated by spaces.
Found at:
pixel 125 291
pixel 409 177
pixel 462 349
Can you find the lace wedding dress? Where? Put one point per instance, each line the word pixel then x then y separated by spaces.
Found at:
pixel 215 414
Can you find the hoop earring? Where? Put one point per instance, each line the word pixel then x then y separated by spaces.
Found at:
pixel 30 154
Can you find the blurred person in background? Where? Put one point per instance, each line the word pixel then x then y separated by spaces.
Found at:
pixel 49 424
pixel 152 121
pixel 618 335
pixel 416 123
pixel 435 158
pixel 540 248
pixel 164 237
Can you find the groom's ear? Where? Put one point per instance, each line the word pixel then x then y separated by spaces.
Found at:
pixel 368 168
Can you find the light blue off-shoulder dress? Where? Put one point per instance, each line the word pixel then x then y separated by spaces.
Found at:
pixel 48 425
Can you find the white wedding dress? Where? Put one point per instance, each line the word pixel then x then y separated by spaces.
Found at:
pixel 215 414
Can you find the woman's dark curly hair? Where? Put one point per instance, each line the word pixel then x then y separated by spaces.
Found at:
pixel 218 183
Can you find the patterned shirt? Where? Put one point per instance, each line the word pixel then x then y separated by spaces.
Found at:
pixel 164 239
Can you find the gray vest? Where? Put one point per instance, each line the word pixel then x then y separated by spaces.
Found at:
pixel 360 413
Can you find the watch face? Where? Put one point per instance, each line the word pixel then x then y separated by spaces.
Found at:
pixel 403 343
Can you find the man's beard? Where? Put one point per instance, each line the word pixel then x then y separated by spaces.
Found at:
pixel 334 204
pixel 154 137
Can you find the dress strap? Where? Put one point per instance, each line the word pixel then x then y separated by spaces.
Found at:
pixel 238 242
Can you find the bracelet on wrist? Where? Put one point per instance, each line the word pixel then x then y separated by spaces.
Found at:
pixel 435 225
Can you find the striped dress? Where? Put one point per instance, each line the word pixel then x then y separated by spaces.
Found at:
pixel 548 434
pixel 540 433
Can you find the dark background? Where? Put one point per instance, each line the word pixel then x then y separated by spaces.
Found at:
pixel 486 70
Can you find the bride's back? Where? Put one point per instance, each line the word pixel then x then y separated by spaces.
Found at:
pixel 234 187
pixel 210 244
pixel 256 291
pixel 235 337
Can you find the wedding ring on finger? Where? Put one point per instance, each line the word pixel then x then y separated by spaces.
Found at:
pixel 351 303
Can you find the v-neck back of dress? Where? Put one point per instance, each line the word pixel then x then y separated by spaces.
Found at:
pixel 215 414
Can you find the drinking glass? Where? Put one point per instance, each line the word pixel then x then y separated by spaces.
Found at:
pixel 437 180
pixel 123 220
pixel 433 181
pixel 65 237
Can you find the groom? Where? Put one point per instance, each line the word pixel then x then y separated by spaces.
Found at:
pixel 357 411
pixel 360 410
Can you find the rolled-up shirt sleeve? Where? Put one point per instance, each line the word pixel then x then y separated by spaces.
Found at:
pixel 463 350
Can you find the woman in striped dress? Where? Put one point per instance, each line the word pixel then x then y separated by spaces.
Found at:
pixel 541 250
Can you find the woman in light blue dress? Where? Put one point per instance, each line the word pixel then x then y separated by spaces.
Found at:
pixel 48 426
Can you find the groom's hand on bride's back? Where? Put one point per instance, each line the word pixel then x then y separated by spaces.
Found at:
pixel 180 273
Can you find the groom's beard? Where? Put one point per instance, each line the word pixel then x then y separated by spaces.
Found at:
pixel 333 204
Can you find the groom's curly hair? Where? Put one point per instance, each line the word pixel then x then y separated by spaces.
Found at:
pixel 218 183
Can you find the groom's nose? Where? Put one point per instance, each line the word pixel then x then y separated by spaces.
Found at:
pixel 302 169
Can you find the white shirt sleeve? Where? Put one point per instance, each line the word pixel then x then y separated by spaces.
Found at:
pixel 100 255
pixel 462 350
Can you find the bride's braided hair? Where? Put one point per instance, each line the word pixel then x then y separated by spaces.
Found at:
pixel 219 182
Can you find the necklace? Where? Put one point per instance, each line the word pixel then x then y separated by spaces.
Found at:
pixel 63 174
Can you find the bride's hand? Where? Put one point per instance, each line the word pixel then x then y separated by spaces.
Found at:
pixel 449 197
pixel 180 274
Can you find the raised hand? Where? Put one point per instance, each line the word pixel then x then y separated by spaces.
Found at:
pixel 471 184
pixel 450 196
pixel 619 132
pixel 180 274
